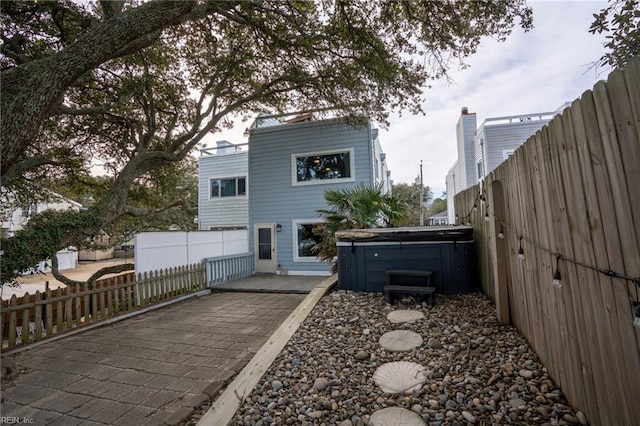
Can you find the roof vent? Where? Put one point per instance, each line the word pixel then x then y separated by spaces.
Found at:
pixel 465 110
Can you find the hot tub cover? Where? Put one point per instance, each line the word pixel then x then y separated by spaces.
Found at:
pixel 423 233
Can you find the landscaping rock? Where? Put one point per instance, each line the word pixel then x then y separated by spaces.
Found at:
pixel 482 379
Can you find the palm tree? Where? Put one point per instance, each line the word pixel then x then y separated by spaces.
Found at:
pixel 359 207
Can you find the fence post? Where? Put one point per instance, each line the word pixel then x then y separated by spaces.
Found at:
pixel 59 310
pixel 25 318
pixel 207 272
pixel 49 311
pixel 136 283
pixel 13 320
pixel 77 292
pixel 38 316
pixel 86 312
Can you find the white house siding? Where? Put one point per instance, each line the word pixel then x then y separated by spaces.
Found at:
pixel 273 198
pixel 480 154
pixel 222 212
pixel 463 172
pixel 15 220
pixel 465 133
pixel 452 189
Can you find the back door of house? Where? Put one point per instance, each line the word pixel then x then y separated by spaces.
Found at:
pixel 264 247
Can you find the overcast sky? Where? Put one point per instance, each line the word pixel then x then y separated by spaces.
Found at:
pixel 531 72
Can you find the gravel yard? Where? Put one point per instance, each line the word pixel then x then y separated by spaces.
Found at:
pixel 477 371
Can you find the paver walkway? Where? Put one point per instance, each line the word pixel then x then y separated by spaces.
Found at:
pixel 152 369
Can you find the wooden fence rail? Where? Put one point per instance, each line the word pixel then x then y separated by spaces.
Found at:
pixel 570 197
pixel 35 317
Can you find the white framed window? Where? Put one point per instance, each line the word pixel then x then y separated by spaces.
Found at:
pixel 314 168
pixel 479 170
pixel 227 187
pixel 506 153
pixel 305 236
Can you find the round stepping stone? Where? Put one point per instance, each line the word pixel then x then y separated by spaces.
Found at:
pixel 404 315
pixel 400 340
pixel 399 377
pixel 395 416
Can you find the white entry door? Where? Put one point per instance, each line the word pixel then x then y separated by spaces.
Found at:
pixel 264 247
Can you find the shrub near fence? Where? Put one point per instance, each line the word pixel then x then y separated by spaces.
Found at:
pixel 569 197
pixel 35 317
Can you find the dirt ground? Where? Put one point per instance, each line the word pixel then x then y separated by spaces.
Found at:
pixel 37 282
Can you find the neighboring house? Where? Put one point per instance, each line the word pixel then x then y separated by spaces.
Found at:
pixel 222 189
pixel 439 219
pixel 482 149
pixel 15 220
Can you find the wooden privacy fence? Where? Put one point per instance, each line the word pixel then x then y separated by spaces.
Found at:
pixel 570 197
pixel 35 317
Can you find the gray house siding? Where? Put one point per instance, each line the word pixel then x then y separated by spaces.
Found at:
pixel 481 151
pixel 506 137
pixel 272 196
pixel 222 212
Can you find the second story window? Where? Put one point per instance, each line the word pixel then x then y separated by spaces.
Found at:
pixel 314 168
pixel 228 187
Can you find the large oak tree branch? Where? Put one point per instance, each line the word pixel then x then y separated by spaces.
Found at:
pixel 25 164
pixel 30 91
pixel 141 212
pixel 115 269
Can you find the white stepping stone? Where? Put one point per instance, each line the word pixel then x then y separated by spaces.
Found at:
pixel 400 340
pixel 399 377
pixel 404 315
pixel 395 416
